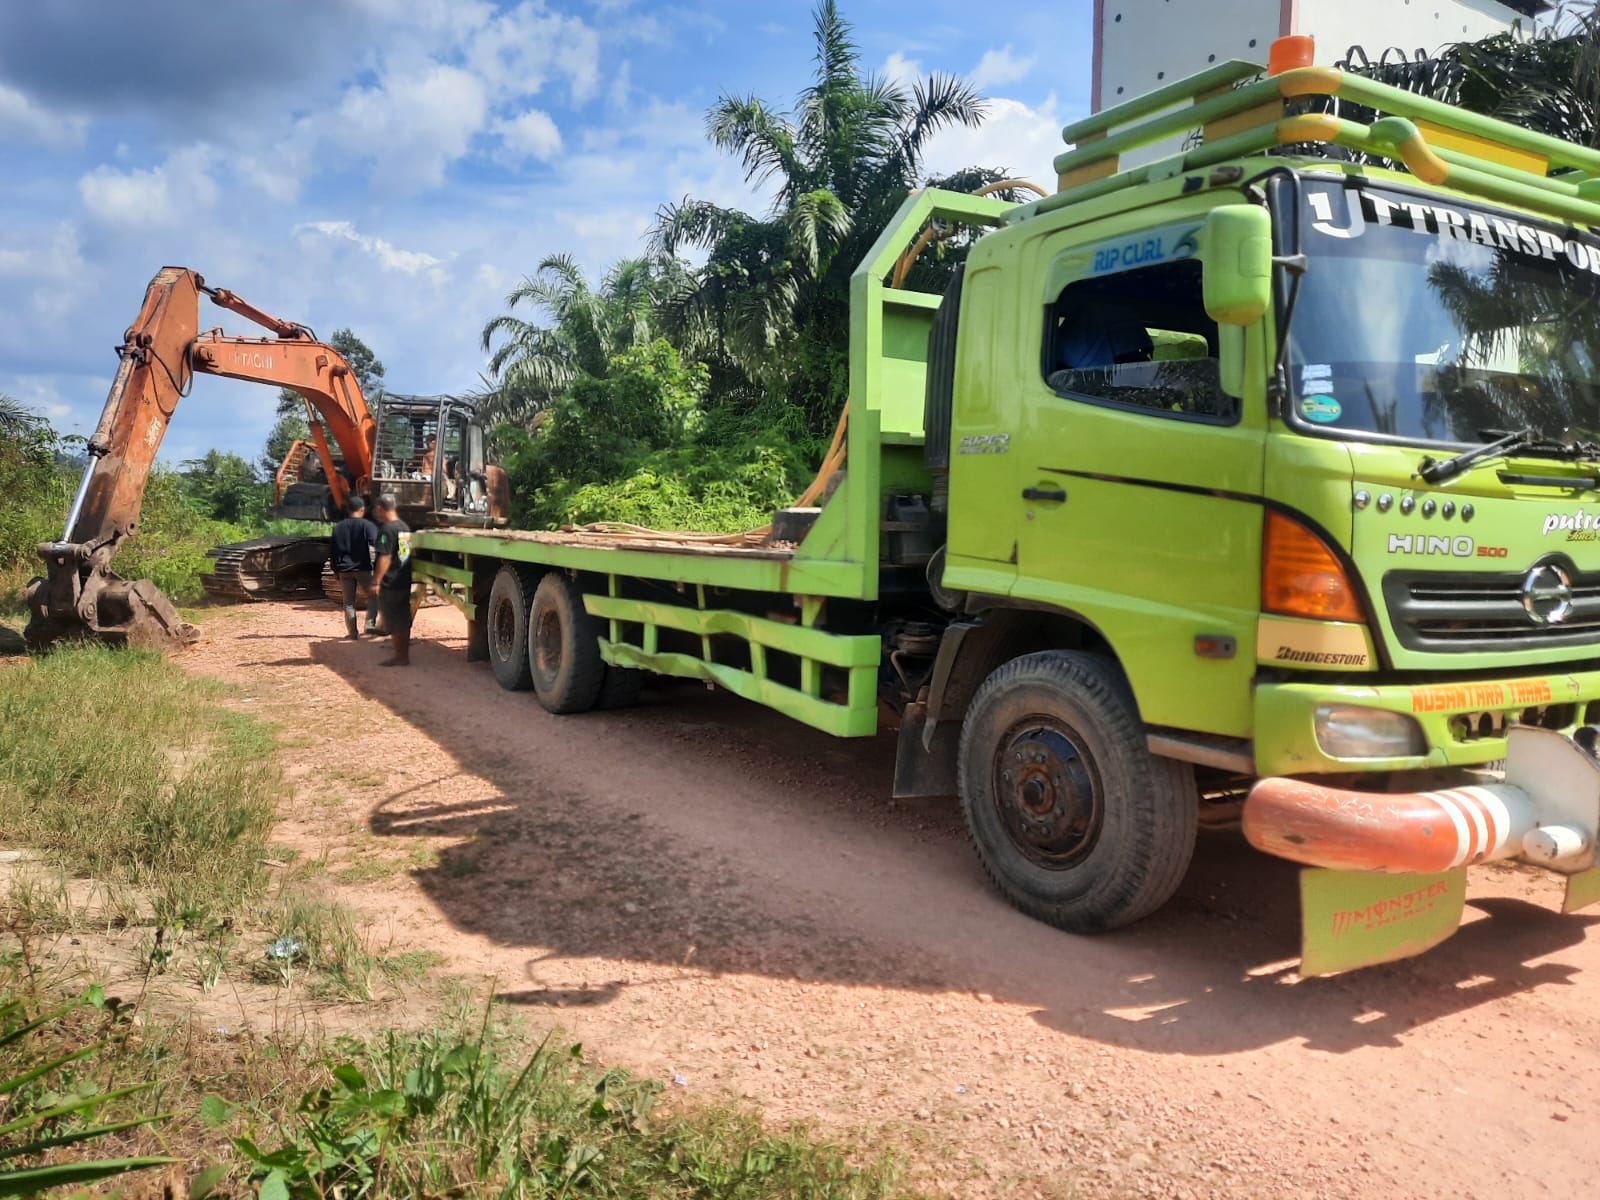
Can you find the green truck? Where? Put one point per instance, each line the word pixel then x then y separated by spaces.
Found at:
pixel 1265 473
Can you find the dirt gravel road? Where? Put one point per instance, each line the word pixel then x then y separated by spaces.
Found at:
pixel 699 888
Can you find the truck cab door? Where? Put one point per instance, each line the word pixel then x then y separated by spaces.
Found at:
pixel 1137 477
pixel 982 546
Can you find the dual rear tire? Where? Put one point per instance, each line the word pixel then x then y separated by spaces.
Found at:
pixel 541 638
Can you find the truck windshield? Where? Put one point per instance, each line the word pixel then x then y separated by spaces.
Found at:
pixel 1441 323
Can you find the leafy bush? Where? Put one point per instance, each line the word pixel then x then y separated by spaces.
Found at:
pixel 425 1115
pixel 170 547
pixel 224 487
pixel 692 489
pixel 35 495
pixel 642 445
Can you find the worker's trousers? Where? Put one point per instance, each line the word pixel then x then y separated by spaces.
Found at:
pixel 350 581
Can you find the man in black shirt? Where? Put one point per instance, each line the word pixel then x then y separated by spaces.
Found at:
pixel 394 579
pixel 353 539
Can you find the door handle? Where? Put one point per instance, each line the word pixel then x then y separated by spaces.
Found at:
pixel 1044 494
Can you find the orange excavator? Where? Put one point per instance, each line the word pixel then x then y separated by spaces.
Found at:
pixel 354 448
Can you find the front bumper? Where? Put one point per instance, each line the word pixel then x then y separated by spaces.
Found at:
pixel 1464 723
pixel 1545 812
pixel 1387 875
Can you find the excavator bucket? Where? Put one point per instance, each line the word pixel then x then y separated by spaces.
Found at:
pixel 101 606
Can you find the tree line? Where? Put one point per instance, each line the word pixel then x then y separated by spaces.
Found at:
pixel 694 385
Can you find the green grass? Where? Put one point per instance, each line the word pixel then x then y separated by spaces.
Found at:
pixel 120 766
pixel 461 1110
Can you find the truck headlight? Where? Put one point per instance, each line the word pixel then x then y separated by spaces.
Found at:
pixel 1345 731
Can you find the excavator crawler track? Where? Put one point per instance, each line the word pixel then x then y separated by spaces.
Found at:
pixel 269 568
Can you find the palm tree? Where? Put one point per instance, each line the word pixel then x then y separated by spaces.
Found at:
pixel 1546 80
pixel 583 328
pixel 1547 329
pixel 773 293
pixel 16 421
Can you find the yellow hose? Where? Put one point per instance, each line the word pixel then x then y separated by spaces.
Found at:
pixel 909 259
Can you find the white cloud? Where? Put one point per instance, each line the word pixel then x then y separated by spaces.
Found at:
pixel 530 135
pixel 156 196
pixel 387 255
pixel 22 119
pixel 41 393
pixel 902 69
pixel 411 129
pixel 516 51
pixel 619 227
pixel 621 90
pixel 997 68
pixel 452 79
pixel 1016 137
pixel 50 258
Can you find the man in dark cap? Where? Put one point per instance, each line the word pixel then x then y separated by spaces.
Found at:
pixel 353 539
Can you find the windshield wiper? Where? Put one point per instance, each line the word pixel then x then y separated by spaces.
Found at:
pixel 1435 470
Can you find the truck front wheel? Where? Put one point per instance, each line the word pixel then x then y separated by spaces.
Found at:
pixel 507 622
pixel 1075 821
pixel 564 648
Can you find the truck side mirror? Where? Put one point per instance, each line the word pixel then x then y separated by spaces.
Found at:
pixel 1236 247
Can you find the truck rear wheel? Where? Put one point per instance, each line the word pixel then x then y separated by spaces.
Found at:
pixel 509 597
pixel 564 648
pixel 1075 821
pixel 621 687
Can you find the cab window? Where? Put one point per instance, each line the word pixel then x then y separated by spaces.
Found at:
pixel 1138 339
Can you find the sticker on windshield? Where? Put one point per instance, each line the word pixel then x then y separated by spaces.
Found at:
pixel 1316 377
pixel 1324 410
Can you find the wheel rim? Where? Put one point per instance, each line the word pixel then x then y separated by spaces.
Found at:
pixel 1047 793
pixel 503 631
pixel 547 643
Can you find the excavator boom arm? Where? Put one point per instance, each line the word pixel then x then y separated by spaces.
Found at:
pixel 160 354
pixel 320 374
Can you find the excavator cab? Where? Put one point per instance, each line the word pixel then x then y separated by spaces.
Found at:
pixel 301 491
pixel 430 456
pixel 462 493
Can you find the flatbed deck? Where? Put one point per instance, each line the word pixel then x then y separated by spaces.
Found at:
pixel 759 618
pixel 658 543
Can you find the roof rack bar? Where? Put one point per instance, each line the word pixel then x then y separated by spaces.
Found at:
pixel 1325 81
pixel 1220 76
pixel 1177 120
pixel 1464 173
pixel 1240 116
pixel 1238 145
pixel 1480 137
pixel 1557 186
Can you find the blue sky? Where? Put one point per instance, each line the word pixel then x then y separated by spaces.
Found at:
pixel 397 165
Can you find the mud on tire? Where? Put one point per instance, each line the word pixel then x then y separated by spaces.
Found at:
pixel 1075 821
pixel 509 598
pixel 563 648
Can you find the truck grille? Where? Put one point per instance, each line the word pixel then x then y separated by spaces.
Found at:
pixel 1474 612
